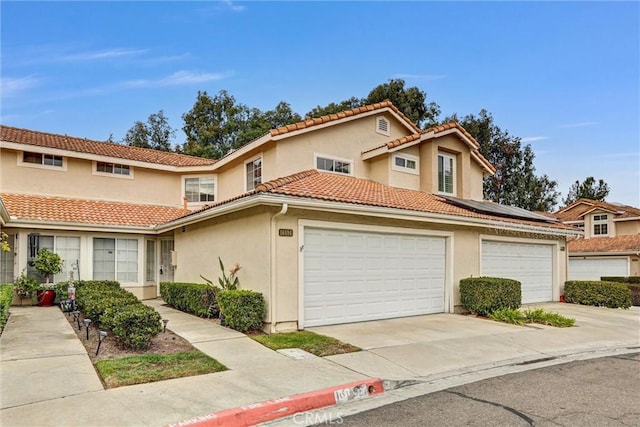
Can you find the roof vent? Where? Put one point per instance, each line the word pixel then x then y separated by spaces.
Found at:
pixel 382 126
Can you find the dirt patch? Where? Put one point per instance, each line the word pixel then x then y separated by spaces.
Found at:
pixel 164 343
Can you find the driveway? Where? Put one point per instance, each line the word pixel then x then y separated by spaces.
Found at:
pixel 443 344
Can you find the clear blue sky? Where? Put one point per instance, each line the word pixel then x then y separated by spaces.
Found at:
pixel 563 76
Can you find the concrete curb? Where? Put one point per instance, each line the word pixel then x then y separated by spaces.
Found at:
pixel 270 410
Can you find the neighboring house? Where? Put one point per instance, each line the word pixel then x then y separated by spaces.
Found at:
pixel 348 217
pixel 611 242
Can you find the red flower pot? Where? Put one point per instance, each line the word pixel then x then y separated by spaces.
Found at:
pixel 46 297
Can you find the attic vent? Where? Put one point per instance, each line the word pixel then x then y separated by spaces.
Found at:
pixel 382 125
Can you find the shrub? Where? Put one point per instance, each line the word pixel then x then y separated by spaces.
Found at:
pixel 635 294
pixel 508 315
pixel 608 294
pixel 243 310
pixel 62 292
pixel 546 318
pixel 95 305
pixel 195 298
pixel 6 296
pixel 133 325
pixel 484 295
pixel 620 279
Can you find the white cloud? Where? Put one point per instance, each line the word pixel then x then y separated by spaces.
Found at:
pixel 179 78
pixel 428 77
pixel 101 54
pixel 234 7
pixel 578 125
pixel 12 86
pixel 534 138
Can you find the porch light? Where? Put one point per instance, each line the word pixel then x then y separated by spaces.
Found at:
pixel 164 322
pixel 101 336
pixel 87 322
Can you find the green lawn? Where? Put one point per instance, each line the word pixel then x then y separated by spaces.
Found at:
pixel 319 345
pixel 155 367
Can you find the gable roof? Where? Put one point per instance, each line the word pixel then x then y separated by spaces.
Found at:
pixel 581 207
pixel 30 208
pixel 107 149
pixel 311 122
pixel 619 244
pixel 431 133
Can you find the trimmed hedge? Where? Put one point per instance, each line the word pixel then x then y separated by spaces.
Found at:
pixel 598 293
pixel 6 296
pixel 242 309
pixel 134 325
pixel 195 298
pixel 62 293
pixel 484 295
pixel 635 294
pixel 620 279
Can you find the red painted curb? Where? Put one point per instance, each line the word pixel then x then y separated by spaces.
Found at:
pixel 270 410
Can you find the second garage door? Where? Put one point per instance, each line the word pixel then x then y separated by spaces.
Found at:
pixel 594 268
pixel 530 264
pixel 353 276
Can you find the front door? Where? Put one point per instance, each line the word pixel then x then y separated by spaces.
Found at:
pixel 166 269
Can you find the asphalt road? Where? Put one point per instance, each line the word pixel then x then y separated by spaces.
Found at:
pixel 594 393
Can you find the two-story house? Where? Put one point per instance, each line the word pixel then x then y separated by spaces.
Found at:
pixel 611 242
pixel 348 217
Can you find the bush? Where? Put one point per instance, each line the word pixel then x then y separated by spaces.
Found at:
pixel 546 318
pixel 133 325
pixel 635 294
pixel 243 310
pixel 195 298
pixel 62 292
pixel 6 296
pixel 484 295
pixel 508 315
pixel 620 279
pixel 608 294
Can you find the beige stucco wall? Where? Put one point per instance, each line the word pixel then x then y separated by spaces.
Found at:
pixel 78 180
pixel 400 178
pixel 627 228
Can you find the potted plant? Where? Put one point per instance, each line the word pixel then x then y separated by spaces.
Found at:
pixel 25 286
pixel 48 264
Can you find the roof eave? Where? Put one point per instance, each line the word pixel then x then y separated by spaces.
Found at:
pixel 75 226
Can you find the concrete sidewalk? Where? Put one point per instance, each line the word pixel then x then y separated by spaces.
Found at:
pixel 46 378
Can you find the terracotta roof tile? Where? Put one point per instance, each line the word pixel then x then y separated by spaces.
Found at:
pixel 82 145
pixel 60 209
pixel 576 210
pixel 605 244
pixel 337 188
pixel 342 114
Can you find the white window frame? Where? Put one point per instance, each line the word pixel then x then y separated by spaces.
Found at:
pixel 22 163
pixel 215 188
pixel 382 119
pixel 95 170
pixel 453 173
pixel 150 261
pixel 317 156
pixel 246 164
pixel 407 158
pixel 598 220
pixel 115 261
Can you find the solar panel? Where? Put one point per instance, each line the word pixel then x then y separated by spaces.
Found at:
pixel 493 208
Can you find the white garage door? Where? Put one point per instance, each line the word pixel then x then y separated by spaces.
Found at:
pixel 530 264
pixel 353 276
pixel 593 269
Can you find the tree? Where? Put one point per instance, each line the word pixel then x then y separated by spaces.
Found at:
pixel 515 182
pixel 410 101
pixel 155 134
pixel 215 125
pixel 587 190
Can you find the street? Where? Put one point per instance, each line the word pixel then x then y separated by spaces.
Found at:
pixel 595 392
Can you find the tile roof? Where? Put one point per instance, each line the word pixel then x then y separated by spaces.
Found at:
pixel 337 188
pixel 605 244
pixel 576 210
pixel 60 209
pixel 83 145
pixel 341 115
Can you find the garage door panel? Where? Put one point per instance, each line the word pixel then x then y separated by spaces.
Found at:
pixel 375 276
pixel 595 268
pixel 530 264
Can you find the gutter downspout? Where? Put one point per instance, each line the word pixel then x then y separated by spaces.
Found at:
pixel 273 259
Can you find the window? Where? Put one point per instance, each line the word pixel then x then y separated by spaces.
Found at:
pixel 405 163
pixel 113 168
pixel 115 259
pixel 382 126
pixel 446 174
pixel 150 275
pixel 333 165
pixel 600 225
pixel 42 159
pixel 68 248
pixel 253 173
pixel 7 261
pixel 199 189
